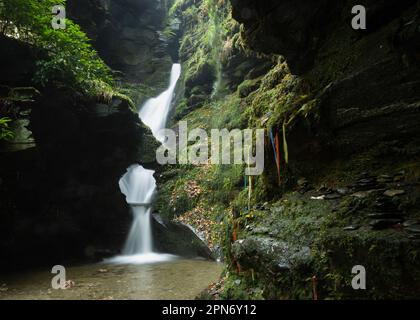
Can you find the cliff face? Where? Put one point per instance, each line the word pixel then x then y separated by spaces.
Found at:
pixel 344 104
pixel 364 83
pixel 128 37
pixel 59 180
pixel 347 103
pixel 60 198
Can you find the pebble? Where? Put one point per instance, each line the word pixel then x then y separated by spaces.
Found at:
pixel 69 284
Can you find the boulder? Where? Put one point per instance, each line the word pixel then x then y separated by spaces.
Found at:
pixel 178 239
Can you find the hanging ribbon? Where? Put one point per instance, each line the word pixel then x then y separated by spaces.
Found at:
pixel 249 193
pixel 250 180
pixel 273 143
pixel 285 146
pixel 277 140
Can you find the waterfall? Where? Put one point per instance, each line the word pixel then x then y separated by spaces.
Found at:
pixel 155 111
pixel 139 185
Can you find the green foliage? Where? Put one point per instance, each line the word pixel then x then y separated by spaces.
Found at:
pixel 222 182
pixel 5 132
pixel 66 55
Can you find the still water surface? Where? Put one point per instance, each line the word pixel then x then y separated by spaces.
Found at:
pixel 178 279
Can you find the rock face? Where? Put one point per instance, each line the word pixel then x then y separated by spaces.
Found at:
pixel 213 60
pixel 59 195
pixel 299 30
pixel 347 102
pixel 269 254
pixel 61 198
pixel 364 83
pixel 177 238
pixel 126 35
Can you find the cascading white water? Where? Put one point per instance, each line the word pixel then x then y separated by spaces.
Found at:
pixel 155 111
pixel 139 185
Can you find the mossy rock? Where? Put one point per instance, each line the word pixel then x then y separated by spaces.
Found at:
pixel 247 87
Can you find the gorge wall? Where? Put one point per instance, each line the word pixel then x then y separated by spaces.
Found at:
pixel 345 106
pixel 60 198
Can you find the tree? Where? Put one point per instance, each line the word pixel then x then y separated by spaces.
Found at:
pixel 66 55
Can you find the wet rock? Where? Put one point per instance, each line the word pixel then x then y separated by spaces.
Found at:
pixel 333 196
pixel 409 223
pixel 381 224
pixel 324 189
pixel 385 204
pixel 394 193
pixel 343 190
pixel 384 178
pixel 178 238
pixel 413 229
pixel 283 267
pixel 385 215
pixel 360 194
pixel 366 184
pixel 351 228
pixel 266 253
pixel 125 35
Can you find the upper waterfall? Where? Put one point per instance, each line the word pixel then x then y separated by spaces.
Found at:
pixel 155 111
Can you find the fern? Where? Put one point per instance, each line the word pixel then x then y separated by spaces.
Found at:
pixel 5 132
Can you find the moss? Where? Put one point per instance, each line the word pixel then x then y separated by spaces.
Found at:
pixel 237 287
pixel 247 87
